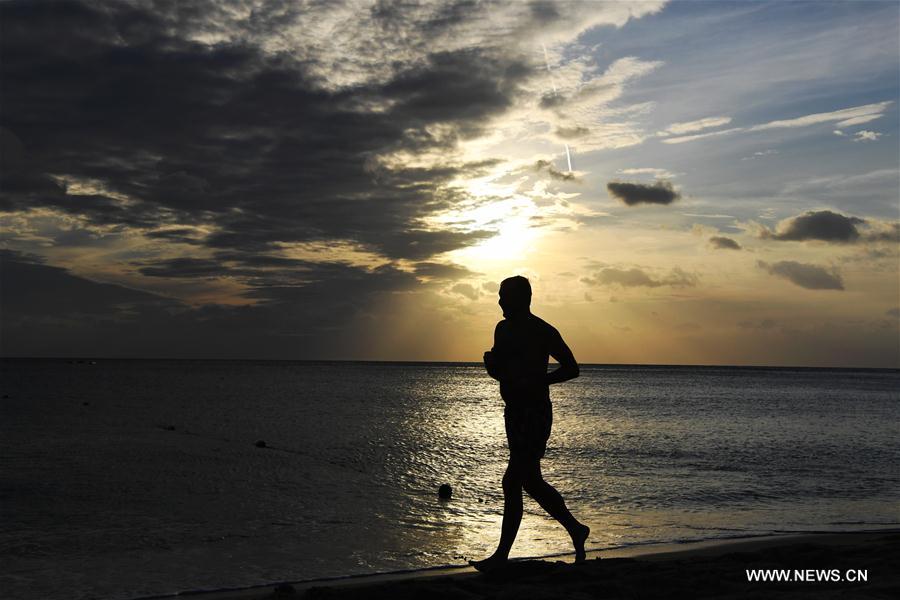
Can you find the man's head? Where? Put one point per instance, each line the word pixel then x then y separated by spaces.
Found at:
pixel 515 296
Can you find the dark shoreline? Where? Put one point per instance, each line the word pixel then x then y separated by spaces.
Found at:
pixel 714 568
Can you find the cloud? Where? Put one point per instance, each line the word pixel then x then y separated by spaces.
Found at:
pixel 572 132
pixel 661 192
pixel 700 136
pixel 546 165
pixel 582 104
pixel 288 124
pixel 828 226
pixel 442 270
pixel 723 243
pixel 656 173
pixel 859 120
pixel 844 118
pixel 811 277
pixel 582 87
pixel 181 235
pixel 185 267
pixel 33 290
pixel 49 311
pixel 883 232
pixel 866 136
pixel 692 126
pixel 822 225
pixel 298 156
pixel 467 290
pixel 635 277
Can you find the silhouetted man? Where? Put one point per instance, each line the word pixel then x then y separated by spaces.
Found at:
pixel 523 344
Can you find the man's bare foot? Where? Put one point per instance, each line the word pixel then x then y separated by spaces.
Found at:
pixel 579 538
pixel 489 564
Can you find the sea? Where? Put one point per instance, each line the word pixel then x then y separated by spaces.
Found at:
pixel 125 479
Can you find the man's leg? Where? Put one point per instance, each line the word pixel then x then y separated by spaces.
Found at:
pixel 513 480
pixel 552 501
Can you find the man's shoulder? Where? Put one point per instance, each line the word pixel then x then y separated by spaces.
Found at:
pixel 545 327
pixel 539 322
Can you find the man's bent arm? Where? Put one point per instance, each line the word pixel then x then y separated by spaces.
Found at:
pixel 490 358
pixel 568 367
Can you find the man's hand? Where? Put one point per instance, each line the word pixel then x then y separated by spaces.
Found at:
pixel 490 365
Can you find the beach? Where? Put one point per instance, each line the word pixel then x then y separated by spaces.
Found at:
pixel 845 565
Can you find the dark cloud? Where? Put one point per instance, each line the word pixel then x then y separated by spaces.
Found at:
pixel 181 235
pixel 31 289
pixel 569 133
pixel 635 277
pixel 552 100
pixel 245 142
pixel 724 243
pixel 544 10
pixel 184 267
pixel 546 165
pixel 660 192
pixel 442 270
pixel 271 278
pixel 455 86
pixel 223 147
pixel 893 312
pixel 822 225
pixel 48 311
pixel 329 293
pixel 811 277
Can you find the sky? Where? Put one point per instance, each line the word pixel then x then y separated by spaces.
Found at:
pixel 682 183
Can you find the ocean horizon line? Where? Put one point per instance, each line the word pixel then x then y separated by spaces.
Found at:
pixel 425 363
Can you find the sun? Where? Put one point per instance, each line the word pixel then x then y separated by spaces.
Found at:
pixel 515 237
pixel 493 207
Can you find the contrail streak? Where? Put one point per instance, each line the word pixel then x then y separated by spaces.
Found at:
pixel 553 85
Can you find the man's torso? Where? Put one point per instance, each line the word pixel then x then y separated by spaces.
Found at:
pixel 522 350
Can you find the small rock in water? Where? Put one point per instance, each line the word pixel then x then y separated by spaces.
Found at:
pixel 445 491
pixel 261 444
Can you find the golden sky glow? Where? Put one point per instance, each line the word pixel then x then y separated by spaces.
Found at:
pixel 344 181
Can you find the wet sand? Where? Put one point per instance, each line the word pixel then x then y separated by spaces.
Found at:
pixel 716 569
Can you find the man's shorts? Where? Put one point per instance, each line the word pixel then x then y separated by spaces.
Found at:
pixel 528 429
